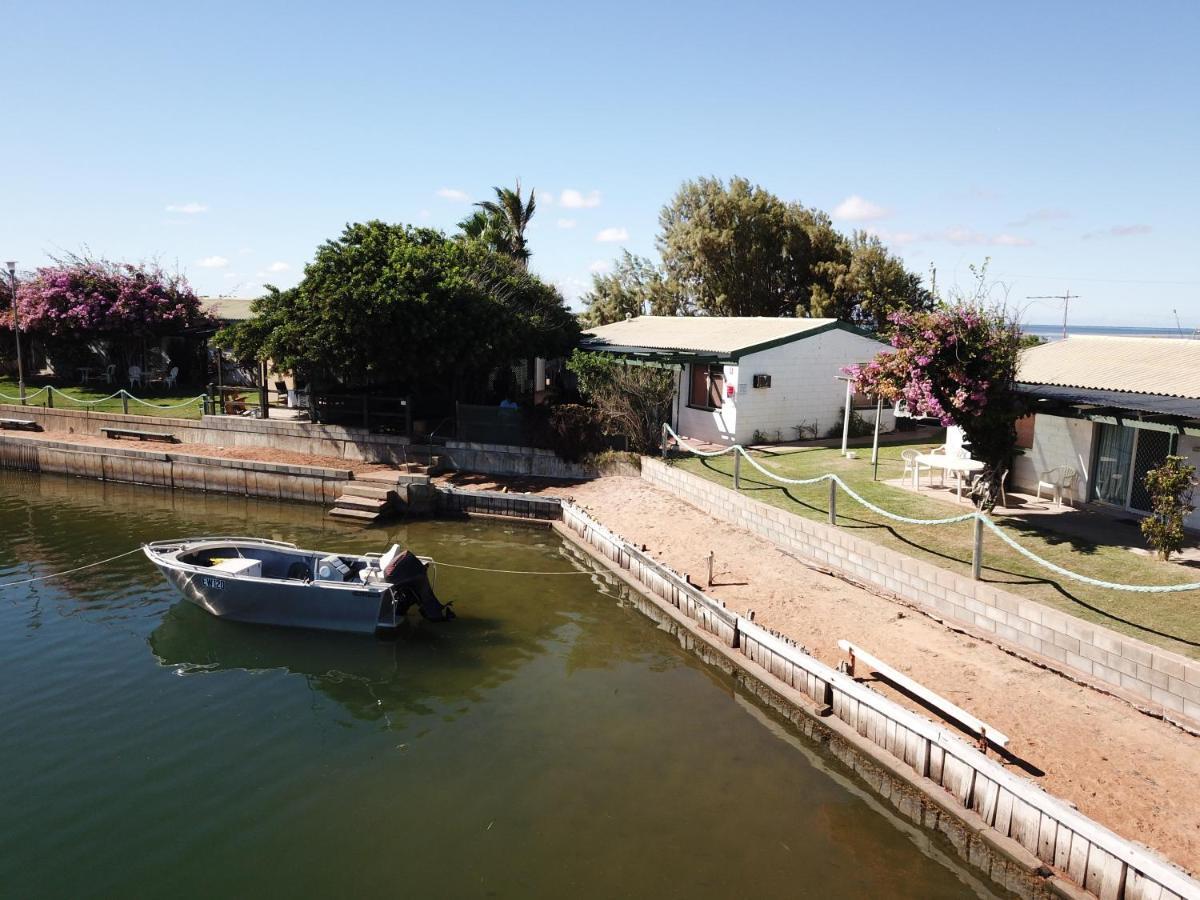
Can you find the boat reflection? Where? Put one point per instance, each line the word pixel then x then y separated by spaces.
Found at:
pixel 420 672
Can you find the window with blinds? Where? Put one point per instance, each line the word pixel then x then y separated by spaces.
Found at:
pixel 707 387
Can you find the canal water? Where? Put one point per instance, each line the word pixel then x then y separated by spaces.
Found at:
pixel 550 742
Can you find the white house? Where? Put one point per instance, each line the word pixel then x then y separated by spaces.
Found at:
pixel 1111 408
pixel 739 377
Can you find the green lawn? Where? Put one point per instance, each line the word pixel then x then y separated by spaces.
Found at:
pixel 155 398
pixel 1170 620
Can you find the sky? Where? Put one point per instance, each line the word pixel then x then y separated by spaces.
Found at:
pixel 230 140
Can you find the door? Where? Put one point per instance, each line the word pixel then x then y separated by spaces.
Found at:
pixel 1114 454
pixel 1152 447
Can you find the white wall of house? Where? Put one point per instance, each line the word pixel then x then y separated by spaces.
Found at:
pixel 1189 449
pixel 716 426
pixel 1057 441
pixel 804 384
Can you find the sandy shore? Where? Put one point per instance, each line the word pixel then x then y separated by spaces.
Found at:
pixel 1135 774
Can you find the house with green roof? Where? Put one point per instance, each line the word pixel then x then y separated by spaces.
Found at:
pixel 742 376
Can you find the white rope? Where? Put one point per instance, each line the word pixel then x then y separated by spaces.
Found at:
pixel 102 562
pixel 504 571
pixel 120 393
pixel 966 517
pixel 28 395
pixel 197 399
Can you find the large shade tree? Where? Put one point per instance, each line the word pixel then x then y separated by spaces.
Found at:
pixel 406 307
pixel 635 286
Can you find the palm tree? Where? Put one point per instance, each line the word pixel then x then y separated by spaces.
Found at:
pixel 511 215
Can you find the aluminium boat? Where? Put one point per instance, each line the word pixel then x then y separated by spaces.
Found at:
pixel 266 582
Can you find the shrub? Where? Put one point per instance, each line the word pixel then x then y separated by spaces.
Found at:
pixel 633 400
pixel 859 427
pixel 573 431
pixel 1170 487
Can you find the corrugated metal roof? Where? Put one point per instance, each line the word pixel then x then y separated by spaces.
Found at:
pixel 228 309
pixel 1166 367
pixel 721 335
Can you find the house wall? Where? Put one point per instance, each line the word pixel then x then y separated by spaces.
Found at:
pixel 717 426
pixel 1189 449
pixel 804 384
pixel 1057 441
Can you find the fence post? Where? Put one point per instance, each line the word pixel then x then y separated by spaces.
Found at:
pixel 264 403
pixel 408 420
pixel 977 549
pixel 210 405
pixel 125 400
pixel 737 470
pixel 832 502
pixel 49 397
pixel 662 441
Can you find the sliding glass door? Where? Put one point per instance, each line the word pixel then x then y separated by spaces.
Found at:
pixel 1114 454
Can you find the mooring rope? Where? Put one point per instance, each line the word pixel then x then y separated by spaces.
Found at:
pixel 438 562
pixel 93 565
pixel 966 517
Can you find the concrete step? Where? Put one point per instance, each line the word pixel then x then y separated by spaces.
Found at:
pixel 375 490
pixel 393 477
pixel 360 515
pixel 350 501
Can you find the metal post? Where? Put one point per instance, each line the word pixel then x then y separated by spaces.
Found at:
pixel 846 416
pixel 12 296
pixel 125 400
pixel 210 402
pixel 264 402
pixel 49 397
pixel 875 440
pixel 832 502
pixel 711 556
pixel 408 423
pixel 977 549
pixel 737 471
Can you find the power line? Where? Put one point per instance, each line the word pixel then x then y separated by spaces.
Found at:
pixel 1066 302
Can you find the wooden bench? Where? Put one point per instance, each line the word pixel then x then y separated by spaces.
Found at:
pixel 982 730
pixel 20 424
pixel 140 435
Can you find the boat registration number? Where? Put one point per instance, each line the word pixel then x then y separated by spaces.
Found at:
pixel 215 583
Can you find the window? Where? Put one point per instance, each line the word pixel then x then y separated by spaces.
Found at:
pixel 707 387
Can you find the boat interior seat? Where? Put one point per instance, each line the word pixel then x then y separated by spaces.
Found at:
pixel 388 558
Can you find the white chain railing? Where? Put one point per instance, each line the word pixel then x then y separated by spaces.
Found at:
pixel 965 517
pixel 52 391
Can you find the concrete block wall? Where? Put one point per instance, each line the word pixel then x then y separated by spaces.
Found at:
pixel 499 459
pixel 1057 441
pixel 1155 678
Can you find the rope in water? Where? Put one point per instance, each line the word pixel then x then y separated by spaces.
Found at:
pixel 70 571
pixel 895 517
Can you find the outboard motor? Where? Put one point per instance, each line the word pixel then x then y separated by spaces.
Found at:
pixel 410 584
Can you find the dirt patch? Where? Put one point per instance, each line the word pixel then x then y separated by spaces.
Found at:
pixel 1135 774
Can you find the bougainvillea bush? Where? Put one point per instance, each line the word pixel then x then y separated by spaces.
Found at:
pixel 80 298
pixel 956 363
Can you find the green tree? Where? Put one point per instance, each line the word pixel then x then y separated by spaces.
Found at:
pixel 633 399
pixel 408 307
pixel 634 287
pixel 864 283
pixel 507 218
pixel 1170 487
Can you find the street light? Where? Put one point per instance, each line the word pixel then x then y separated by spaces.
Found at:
pixel 12 293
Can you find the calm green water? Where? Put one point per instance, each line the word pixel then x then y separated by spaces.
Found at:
pixel 551 742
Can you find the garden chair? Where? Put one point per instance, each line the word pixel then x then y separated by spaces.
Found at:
pixel 110 373
pixel 172 377
pixel 135 376
pixel 911 466
pixel 1060 480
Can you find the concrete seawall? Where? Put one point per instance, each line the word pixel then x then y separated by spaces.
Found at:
pixel 1002 824
pixel 1155 679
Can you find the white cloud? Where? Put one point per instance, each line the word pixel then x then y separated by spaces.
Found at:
pixel 858 209
pixel 612 235
pixel 572 288
pixel 600 266
pixel 1040 215
pixel 212 262
pixel 573 199
pixel 230 276
pixel 1011 240
pixel 423 214
pixel 278 266
pixel 454 194
pixel 1118 231
pixel 545 198
pixel 959 235
pixel 189 209
pixel 566 223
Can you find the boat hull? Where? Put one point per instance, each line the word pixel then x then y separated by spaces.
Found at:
pixel 290 605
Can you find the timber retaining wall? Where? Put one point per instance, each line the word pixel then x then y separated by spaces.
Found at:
pixel 1156 679
pixel 1010 807
pixel 272 481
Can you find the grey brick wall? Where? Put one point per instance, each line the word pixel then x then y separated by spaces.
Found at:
pixel 1157 678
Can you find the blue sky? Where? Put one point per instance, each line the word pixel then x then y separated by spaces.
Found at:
pixel 230 139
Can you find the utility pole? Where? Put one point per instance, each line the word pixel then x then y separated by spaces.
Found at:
pixel 1066 302
pixel 12 290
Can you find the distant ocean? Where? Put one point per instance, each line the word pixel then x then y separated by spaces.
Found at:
pixel 1054 332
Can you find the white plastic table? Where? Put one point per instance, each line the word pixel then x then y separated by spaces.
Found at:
pixel 959 465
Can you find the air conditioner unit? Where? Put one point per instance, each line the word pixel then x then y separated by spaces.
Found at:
pixel 762 381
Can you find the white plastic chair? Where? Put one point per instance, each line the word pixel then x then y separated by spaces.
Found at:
pixel 110 372
pixel 169 381
pixel 135 376
pixel 1060 480
pixel 911 466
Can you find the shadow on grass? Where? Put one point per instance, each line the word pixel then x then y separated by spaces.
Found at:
pixel 995 575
